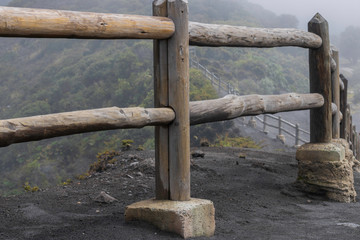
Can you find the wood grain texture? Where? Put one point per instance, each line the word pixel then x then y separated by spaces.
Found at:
pixel 343 106
pixel 232 106
pixel 348 123
pixel 161 99
pixel 235 36
pixel 179 130
pixel 28 22
pixel 335 86
pixel 226 108
pixel 61 124
pixel 320 82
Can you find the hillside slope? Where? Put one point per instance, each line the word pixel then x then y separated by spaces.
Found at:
pixel 40 76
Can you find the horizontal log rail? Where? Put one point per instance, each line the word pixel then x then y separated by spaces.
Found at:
pixel 237 36
pixel 61 124
pixel 29 22
pixel 231 106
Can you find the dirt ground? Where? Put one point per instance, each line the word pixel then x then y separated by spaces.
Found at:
pixel 254 198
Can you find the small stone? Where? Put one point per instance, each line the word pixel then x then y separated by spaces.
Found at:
pixel 205 144
pixel 105 198
pixel 139 174
pixel 198 154
pixel 133 164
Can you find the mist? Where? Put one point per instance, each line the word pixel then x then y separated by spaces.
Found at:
pixel 339 14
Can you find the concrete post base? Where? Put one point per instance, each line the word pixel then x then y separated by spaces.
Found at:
pixel 326 168
pixel 192 218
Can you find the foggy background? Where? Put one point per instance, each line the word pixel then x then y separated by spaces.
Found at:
pixel 41 76
pixel 339 14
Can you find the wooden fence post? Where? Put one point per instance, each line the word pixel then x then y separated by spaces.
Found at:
pixel 358 146
pixel 351 132
pixel 161 99
pixel 354 140
pixel 343 105
pixel 335 94
pixel 179 130
pixel 320 82
pixel 347 123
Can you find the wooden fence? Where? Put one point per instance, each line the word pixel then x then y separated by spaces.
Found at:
pixel 282 127
pixel 266 120
pixel 173 113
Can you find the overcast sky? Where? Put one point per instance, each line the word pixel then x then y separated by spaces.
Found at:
pixel 339 13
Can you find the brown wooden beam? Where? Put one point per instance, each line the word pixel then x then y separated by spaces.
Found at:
pixel 202 34
pixel 335 86
pixel 179 129
pixel 232 106
pixel 61 124
pixel 38 23
pixel 320 82
pixel 161 99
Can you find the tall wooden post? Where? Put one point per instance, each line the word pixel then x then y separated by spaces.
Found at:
pixel 351 131
pixel 320 82
pixel 343 105
pixel 179 130
pixel 347 123
pixel 336 93
pixel 161 99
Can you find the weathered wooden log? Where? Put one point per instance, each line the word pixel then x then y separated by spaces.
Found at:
pixel 28 22
pixel 335 86
pixel 342 86
pixel 343 106
pixel 333 65
pixel 320 82
pixel 161 99
pixel 341 116
pixel 351 131
pixel 234 36
pixel 348 123
pixel 334 108
pixel 232 106
pixel 179 129
pixel 61 124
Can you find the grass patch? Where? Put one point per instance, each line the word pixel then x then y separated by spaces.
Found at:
pixel 239 142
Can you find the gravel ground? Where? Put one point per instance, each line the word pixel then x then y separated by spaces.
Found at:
pixel 254 198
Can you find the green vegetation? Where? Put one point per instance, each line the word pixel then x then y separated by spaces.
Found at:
pixel 240 142
pixel 29 188
pixel 41 76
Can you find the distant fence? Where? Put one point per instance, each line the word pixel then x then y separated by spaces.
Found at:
pixel 173 113
pixel 282 126
pixel 223 88
pixel 220 85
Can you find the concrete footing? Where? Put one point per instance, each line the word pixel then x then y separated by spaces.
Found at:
pixel 192 218
pixel 327 168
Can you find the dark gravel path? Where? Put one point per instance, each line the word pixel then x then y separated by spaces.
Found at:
pixel 253 196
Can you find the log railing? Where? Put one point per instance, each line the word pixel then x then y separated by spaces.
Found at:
pixel 281 126
pixel 173 113
pixel 221 86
